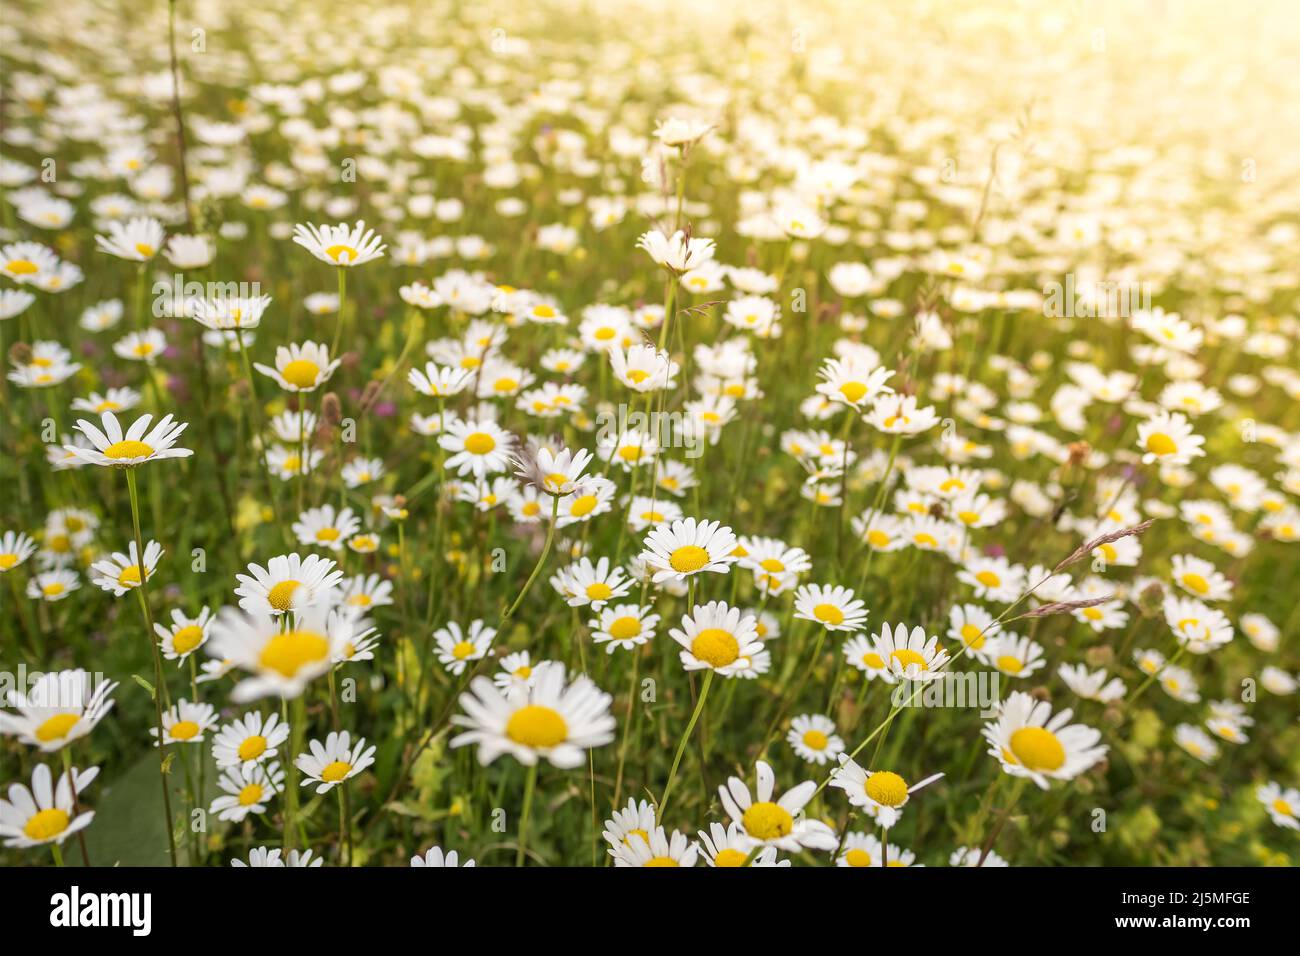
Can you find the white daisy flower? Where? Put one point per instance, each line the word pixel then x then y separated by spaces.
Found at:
pixel 134 447
pixel 47 812
pixel 336 760
pixel 779 823
pixel 1029 741
pixel 60 707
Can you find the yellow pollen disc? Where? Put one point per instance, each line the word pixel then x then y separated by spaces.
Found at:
pixel 338 252
pixel 300 373
pixel 624 628
pixel 600 591
pixel 250 794
pixel 143 349
pixel 1161 444
pixel 52 590
pixel 630 453
pixel 953 483
pixel 857 857
pixel 292 463
pixel 128 449
pixel 970 517
pixel 290 652
pixel 144 249
pixel 715 647
pixel 47 824
pixel 479 443
pixel 281 596
pixel 688 559
pixel 462 650
pixel 772 564
pixel 1282 807
pixel 7 561
pixel 107 406
pixel 1092 614
pixel 853 391
pixel 662 861
pixel 470 361
pixel 735 391
pixel 815 740
pixel 21 267
pixel 1037 748
pixel 184 730
pixel 1009 664
pixel 544 312
pixel 56 727
pixel 524 672
pixel 1109 553
pixel 1196 583
pixel 729 858
pixel 988 579
pixel 638 832
pixel 130 576
pixel 327 534
pixel 187 638
pixel 583 505
pixel 637 375
pixel 505 385
pixel 360 600
pixel 877 539
pixel 887 789
pixel 828 614
pixel 531 508
pixel 651 516
pixel 926 539
pixel 971 636
pixel 537 726
pixel 252 748
pixel 605 335
pixel 60 543
pixel 907 657
pixel 873 660
pixel 335 771
pixel 767 821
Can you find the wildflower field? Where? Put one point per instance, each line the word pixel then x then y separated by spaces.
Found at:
pixel 638 434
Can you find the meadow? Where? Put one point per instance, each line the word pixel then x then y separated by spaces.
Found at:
pixel 630 434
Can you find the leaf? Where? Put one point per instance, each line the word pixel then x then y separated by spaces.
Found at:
pixel 143 683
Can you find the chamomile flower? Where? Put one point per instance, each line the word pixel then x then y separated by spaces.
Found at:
pixel 865 849
pixel 1091 685
pixel 1028 740
pixel 186 723
pixel 913 656
pixel 300 368
pixel 860 652
pixel 324 528
pixel 831 606
pixel 882 792
pixel 52 585
pixel 1200 578
pixel 1013 655
pixel 15 548
pixel 814 739
pixel 516 670
pixel 552 719
pixel 852 381
pixel 1283 805
pixel 137 445
pixel 185 635
pixel 434 856
pixel 120 572
pixel 456 648
pixel 1196 625
pixel 113 400
pixel 478 447
pixel 623 626
pixel 1196 742
pixel 765 822
pixel 273 859
pixel 137 240
pixel 340 245
pixel 289 582
pixel 973 626
pixel 363 592
pixel 657 849
pixel 281 660
pixel 993 579
pixel 60 707
pixel 970 856
pixel 250 739
pixel 689 547
pixel 1168 438
pixel 556 473
pixel 336 760
pixel 248 789
pixel 48 811
pixel 718 637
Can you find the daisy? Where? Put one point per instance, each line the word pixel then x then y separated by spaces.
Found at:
pixel 718 637
pixel 852 381
pixel 263 857
pixel 1199 577
pixel 1196 625
pixel 300 368
pixel 456 649
pixel 1091 685
pixel 186 723
pixel 144 346
pixel 249 739
pixel 775 565
pixel 592 498
pixel 1196 742
pixel 114 400
pixel 46 813
pixel 364 592
pixel 137 240
pixel 555 473
pixel 688 547
pixel 1029 741
pixel 120 572
pixel 280 661
pixel 1179 684
pixel 1259 630
pixel 584 583
pixel 1168 438
pixel 248 788
pixel 814 739
pixel 289 582
pixel 434 856
pixel 900 415
pixel 516 670
pixel 550 719
pixel 623 626
pixel 729 847
pixel 994 579
pixel 1014 656
pixel 134 447
pixel 659 849
pixel 1283 805
pixel 52 585
pixel 336 760
pixel 643 368
pixel 779 823
pixel 831 606
pixel 865 849
pixel 478 447
pixel 15 548
pixel 860 652
pixel 912 657
pixel 439 382
pixel 882 792
pixel 644 513
pixel 60 707
pixel 677 253
pixel 970 857
pixel 323 528
pixel 973 626
pixel 340 245
pixel 185 635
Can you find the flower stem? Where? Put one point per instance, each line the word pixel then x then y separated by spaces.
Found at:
pixel 681 745
pixel 541 560
pixel 530 783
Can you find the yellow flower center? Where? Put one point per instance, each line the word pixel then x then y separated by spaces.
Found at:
pixel 7 561
pixel 21 267
pixel 856 857
pixel 290 652
pixel 688 559
pixel 1161 444
pixel 107 406
pixel 662 861
pixel 129 576
pixel 252 748
pixel 341 253
pixel 873 660
pixel 887 789
pixel 637 375
pixel 906 657
pixel 532 508
pixel 335 771
pixel 877 539
pixel 605 334
pixel 600 591
pixel 715 647
pixel 327 534
pixel 184 730
pixel 250 794
pixel 583 505
pixel 1282 807
pixel 972 637
pixel 53 589
pixel 630 453
pixel 300 373
pixel 506 384
pixel 47 824
pixel 56 727
pixel 1037 748
pixel 815 740
pixel 127 449
pixel 1009 664
pixel 462 650
pixel 537 726
pixel 828 614
pixel 729 857
pixel 187 638
pixel 772 564
pixel 281 595
pixel 479 443
pixel 144 249
pixel 988 579
pixel 853 391
pixel 1196 583
pixel 767 821
pixel 624 628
